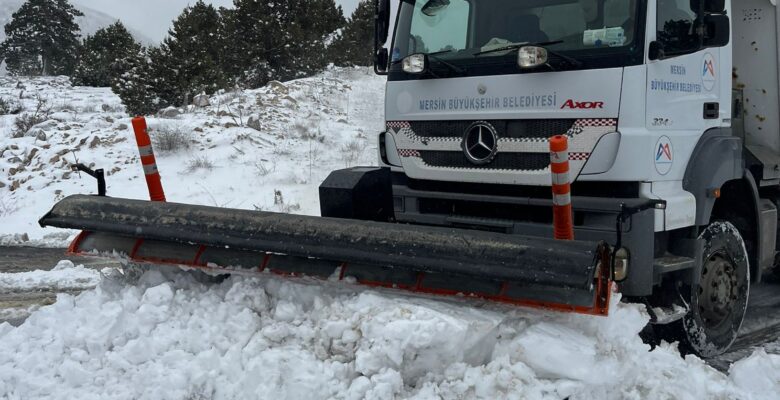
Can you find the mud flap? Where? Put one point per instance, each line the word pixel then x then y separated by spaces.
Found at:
pixel 565 275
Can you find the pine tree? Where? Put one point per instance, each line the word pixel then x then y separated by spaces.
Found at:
pixel 97 65
pixel 42 38
pixel 139 87
pixel 280 39
pixel 132 86
pixel 195 50
pixel 355 45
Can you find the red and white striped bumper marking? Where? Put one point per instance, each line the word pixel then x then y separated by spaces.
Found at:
pixel 408 153
pixel 579 156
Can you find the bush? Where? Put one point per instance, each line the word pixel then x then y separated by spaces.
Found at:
pixel 26 121
pixel 352 151
pixel 171 138
pixel 10 106
pixel 199 162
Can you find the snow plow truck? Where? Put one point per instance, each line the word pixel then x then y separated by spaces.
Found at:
pixel 661 178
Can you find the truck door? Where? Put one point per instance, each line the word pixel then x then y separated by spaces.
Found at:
pixel 684 88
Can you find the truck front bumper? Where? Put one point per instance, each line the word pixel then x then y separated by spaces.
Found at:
pixel 531 215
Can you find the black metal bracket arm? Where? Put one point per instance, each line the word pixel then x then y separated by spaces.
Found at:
pixel 625 214
pixel 98 174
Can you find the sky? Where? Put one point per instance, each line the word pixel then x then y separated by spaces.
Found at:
pixel 153 17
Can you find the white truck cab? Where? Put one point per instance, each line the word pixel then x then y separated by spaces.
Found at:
pixel 671 110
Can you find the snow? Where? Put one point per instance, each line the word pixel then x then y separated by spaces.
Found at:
pixel 64 277
pixel 267 149
pixel 167 336
pixel 759 373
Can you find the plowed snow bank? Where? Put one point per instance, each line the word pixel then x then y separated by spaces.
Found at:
pixel 170 337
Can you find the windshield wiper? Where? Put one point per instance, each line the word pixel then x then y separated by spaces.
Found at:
pixel 570 60
pixel 433 56
pixel 517 46
pixel 452 67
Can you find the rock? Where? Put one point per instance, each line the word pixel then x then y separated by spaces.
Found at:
pixel 15 160
pixel 170 112
pixel 54 159
pixel 2 185
pixel 291 100
pixel 254 122
pixel 198 129
pixel 259 101
pixel 30 156
pixel 66 175
pixel 40 135
pixel 94 143
pixel 224 113
pixel 105 108
pixel 15 185
pixel 278 87
pixel 231 125
pixel 109 120
pixel 201 100
pixel 25 237
pixel 46 125
pixel 13 147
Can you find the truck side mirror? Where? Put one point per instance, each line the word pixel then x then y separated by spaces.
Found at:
pixel 656 51
pixel 709 6
pixel 381 30
pixel 715 6
pixel 380 61
pixel 717 31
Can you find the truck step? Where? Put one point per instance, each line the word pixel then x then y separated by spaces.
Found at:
pixel 667 264
pixel 666 315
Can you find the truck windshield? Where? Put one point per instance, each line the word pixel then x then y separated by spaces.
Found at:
pixel 600 33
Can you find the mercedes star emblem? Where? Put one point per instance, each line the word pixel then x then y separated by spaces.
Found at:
pixel 480 143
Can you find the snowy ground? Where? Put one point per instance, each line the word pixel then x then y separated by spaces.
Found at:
pixel 166 336
pixel 268 148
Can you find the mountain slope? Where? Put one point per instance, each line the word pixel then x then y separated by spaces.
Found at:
pixel 89 23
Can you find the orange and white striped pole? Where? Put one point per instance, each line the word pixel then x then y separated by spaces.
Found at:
pixel 563 221
pixel 153 180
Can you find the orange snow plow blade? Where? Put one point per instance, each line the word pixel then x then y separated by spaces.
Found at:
pixel 571 276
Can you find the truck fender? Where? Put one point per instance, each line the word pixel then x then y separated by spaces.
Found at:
pixel 716 159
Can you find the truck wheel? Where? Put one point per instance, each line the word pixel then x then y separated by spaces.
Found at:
pixel 719 301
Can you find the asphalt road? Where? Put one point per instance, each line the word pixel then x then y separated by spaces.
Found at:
pixel 21 259
pixel 760 329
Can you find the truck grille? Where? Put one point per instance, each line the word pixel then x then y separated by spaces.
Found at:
pixel 513 129
pixel 503 161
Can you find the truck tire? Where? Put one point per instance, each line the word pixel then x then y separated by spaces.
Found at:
pixel 719 301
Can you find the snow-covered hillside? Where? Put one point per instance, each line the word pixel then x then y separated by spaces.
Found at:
pixel 89 23
pixel 261 149
pixel 167 336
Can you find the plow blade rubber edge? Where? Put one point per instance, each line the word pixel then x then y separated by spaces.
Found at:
pixel 566 275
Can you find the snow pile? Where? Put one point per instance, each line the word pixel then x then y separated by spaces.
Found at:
pixel 64 277
pixel 169 337
pixel 759 373
pixel 267 149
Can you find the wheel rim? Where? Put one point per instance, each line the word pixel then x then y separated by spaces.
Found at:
pixel 718 290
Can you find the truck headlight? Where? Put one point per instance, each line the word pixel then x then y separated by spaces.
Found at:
pixel 415 64
pixel 531 56
pixel 622 259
